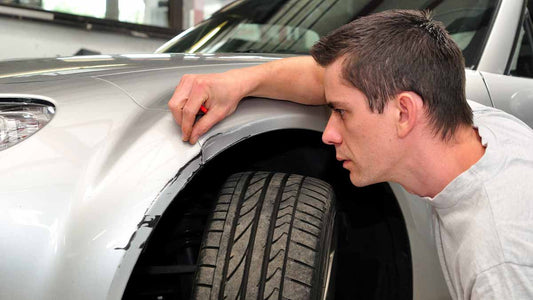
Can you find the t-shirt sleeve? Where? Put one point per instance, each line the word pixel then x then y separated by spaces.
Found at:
pixel 504 281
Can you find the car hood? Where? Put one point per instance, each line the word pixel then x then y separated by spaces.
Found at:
pixel 147 79
pixel 53 69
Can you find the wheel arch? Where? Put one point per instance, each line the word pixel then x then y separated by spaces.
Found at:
pixel 298 151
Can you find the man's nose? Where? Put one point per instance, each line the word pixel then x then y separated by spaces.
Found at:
pixel 331 134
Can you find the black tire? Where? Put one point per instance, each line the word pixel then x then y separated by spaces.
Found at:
pixel 271 236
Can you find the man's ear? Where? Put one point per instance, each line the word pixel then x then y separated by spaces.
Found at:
pixel 409 107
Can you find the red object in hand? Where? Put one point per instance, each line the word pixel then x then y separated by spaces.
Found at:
pixel 203 109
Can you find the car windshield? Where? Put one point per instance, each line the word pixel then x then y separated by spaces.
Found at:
pixel 293 26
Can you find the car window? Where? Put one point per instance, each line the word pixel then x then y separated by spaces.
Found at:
pixel 521 63
pixel 293 26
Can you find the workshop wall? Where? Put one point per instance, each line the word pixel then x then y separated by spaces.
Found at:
pixel 31 39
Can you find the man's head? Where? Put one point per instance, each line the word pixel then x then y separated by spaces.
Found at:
pixel 392 78
pixel 402 50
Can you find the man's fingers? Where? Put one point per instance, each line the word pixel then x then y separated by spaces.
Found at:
pixel 189 111
pixel 192 92
pixel 205 123
pixel 180 97
pixel 175 104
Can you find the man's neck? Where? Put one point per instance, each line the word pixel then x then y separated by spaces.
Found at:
pixel 435 163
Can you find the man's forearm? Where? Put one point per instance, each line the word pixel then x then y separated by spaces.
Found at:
pixel 298 79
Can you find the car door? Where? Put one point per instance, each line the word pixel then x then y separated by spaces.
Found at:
pixel 513 90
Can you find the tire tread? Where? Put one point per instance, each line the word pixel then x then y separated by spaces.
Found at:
pixel 264 238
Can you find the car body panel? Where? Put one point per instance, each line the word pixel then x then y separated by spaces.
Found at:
pixel 476 89
pixel 119 157
pixel 63 68
pixel 512 94
pixel 77 167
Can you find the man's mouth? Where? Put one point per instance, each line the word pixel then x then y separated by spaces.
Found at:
pixel 345 163
pixel 343 160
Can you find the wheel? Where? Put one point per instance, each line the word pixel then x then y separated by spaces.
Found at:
pixel 270 236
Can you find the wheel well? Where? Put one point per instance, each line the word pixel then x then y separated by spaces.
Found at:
pixel 373 253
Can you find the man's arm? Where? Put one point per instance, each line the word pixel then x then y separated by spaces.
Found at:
pixel 297 79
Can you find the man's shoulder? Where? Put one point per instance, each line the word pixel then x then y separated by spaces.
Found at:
pixel 490 117
pixel 505 134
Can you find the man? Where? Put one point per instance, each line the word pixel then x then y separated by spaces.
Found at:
pixel 395 82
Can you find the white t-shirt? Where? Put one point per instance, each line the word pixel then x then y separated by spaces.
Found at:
pixel 484 218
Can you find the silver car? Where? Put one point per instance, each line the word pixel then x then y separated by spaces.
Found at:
pixel 100 198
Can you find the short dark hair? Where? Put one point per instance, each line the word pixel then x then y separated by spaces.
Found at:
pixel 402 50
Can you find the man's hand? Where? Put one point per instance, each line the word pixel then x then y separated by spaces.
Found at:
pixel 219 93
pixel 297 79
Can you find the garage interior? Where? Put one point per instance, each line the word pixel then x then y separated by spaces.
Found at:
pixel 374 253
pixel 44 28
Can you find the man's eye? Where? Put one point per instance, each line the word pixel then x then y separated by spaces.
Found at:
pixel 339 111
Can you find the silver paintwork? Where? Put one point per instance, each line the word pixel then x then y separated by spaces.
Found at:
pixel 512 94
pixel 500 41
pixel 78 198
pixel 74 193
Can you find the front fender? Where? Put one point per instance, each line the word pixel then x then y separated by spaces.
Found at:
pixel 253 117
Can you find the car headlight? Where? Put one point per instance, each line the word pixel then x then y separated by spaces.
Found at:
pixel 20 118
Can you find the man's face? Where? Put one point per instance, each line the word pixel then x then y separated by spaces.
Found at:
pixel 365 141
